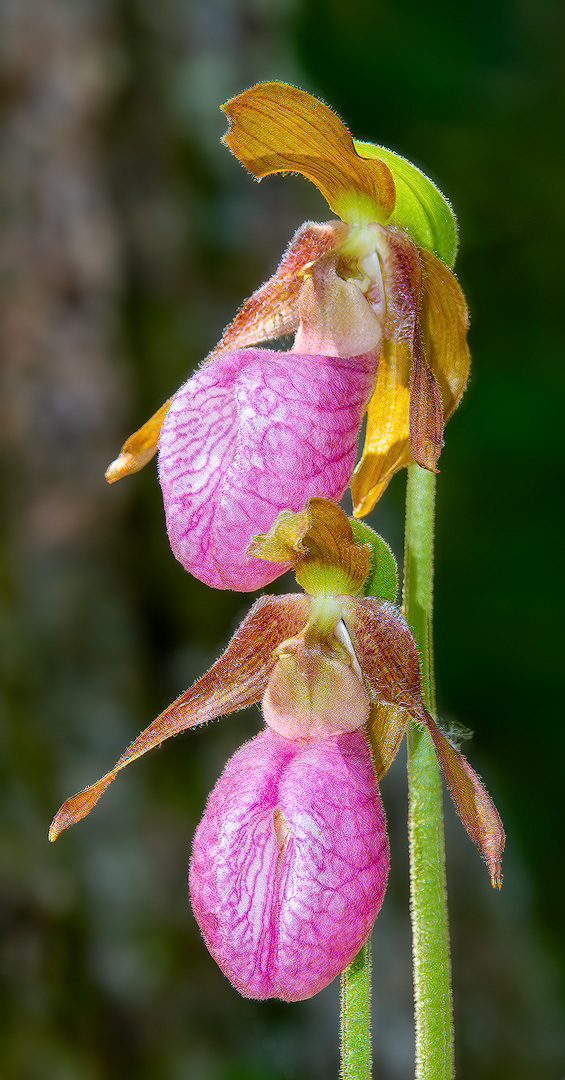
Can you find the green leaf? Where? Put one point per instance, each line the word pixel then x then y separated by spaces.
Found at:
pixel 382 581
pixel 420 207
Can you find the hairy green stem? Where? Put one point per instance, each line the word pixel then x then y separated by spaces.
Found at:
pixel 430 930
pixel 356 1017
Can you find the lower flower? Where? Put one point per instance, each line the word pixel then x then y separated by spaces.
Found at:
pixel 290 862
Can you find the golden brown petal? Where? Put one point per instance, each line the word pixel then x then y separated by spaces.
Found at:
pixel 444 322
pixel 279 128
pixel 319 543
pixel 139 448
pixel 410 398
pixel 387 439
pixel 237 679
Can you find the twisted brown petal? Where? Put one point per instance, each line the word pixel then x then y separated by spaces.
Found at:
pixel 387 439
pixel 412 392
pixel 239 678
pixel 386 651
pixel 270 312
pixel 426 411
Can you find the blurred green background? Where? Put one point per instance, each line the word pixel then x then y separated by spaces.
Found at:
pixel 128 238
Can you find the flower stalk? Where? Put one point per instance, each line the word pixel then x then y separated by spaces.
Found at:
pixel 356 1017
pixel 430 929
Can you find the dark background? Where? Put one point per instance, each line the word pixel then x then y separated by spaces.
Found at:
pixel 128 238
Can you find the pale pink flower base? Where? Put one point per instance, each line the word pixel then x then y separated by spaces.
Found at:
pixel 251 433
pixel 290 862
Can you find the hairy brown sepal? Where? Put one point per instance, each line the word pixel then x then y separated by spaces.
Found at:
pixel 471 799
pixel 275 127
pixel 273 309
pixel 386 651
pixel 388 659
pixel 239 678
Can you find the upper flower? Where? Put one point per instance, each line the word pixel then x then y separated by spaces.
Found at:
pixel 375 286
pixel 400 246
pixel 290 860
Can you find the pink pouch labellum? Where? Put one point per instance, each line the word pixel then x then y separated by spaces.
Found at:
pixel 252 433
pixel 290 862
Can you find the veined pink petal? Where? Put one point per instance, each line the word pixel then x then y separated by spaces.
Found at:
pixel 289 863
pixel 254 432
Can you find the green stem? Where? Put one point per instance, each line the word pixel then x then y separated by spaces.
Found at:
pixel 356 1017
pixel 430 930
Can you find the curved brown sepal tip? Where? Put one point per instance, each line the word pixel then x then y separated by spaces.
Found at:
pixel 77 807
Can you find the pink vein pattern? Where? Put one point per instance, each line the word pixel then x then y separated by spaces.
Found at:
pixel 252 433
pixel 289 863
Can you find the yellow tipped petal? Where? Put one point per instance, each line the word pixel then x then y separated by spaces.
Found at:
pixel 139 448
pixel 387 439
pixel 279 128
pixel 444 322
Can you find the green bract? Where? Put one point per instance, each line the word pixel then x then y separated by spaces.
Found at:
pixel 420 207
pixel 382 580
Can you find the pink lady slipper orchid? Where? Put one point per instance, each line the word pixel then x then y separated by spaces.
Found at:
pixel 290 860
pixel 380 322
